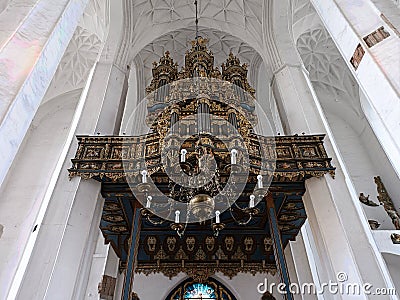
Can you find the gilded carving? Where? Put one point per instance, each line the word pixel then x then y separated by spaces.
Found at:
pixel 201 272
pixel 200 254
pixel 93 152
pixel 283 152
pixel 387 202
pixel 171 243
pixel 190 243
pixel 220 254
pixel 239 255
pixel 116 171
pixel 308 152
pixel 287 217
pixel 161 255
pixel 111 206
pixel 113 218
pixel 181 255
pixel 374 224
pixel 395 238
pixel 134 296
pixel 106 287
pixel 210 243
pixel 100 158
pixel 365 200
pixel 118 229
pixel 268 244
pixel 248 244
pixel 229 243
pixel 151 243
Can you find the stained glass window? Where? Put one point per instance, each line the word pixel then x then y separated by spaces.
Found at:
pixel 191 290
pixel 199 291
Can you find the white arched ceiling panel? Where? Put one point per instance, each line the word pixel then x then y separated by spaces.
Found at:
pixel 178 42
pixel 150 19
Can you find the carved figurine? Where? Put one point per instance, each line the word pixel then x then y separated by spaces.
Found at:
pixel 374 224
pixel 365 199
pixel 134 296
pixel 387 203
pixel 395 238
pixel 395 218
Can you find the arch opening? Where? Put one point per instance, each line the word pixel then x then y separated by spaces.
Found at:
pixel 191 289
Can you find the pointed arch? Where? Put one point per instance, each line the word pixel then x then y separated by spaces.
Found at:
pixel 192 289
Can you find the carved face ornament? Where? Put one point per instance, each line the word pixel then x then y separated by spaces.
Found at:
pixel 248 244
pixel 210 243
pixel 268 244
pixel 229 243
pixel 151 243
pixel 171 242
pixel 190 243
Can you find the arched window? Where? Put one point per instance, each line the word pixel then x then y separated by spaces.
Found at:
pixel 192 290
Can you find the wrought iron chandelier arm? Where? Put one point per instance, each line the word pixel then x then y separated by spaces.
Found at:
pixel 241 223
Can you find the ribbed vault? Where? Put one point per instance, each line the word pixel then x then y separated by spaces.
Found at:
pixel 177 42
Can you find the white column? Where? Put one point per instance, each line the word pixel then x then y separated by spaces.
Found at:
pixel 24 189
pixel 301 264
pixel 96 270
pixel 378 74
pixel 119 286
pixel 104 262
pixel 60 247
pixel 316 267
pixel 343 238
pixel 292 269
pixel 33 38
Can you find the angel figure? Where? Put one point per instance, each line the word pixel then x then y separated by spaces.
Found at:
pixel 365 199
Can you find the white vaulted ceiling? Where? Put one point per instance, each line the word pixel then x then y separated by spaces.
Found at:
pixel 152 19
pixel 178 42
pixel 242 13
pixel 333 82
pixel 82 50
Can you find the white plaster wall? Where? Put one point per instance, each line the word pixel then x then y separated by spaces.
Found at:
pixel 97 268
pixel 31 50
pixel 391 9
pixel 26 183
pixel 365 159
pixel 242 286
pixel 266 101
pixel 393 264
pixel 344 105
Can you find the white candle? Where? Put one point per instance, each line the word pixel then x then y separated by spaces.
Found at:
pixel 260 183
pixel 234 153
pixel 183 155
pixel 217 220
pixel 144 176
pixel 252 198
pixel 148 204
pixel 177 213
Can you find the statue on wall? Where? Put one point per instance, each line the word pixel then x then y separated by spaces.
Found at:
pixel 395 238
pixel 365 200
pixel 374 224
pixel 387 203
pixel 134 296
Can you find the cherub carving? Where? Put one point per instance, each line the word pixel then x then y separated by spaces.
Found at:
pixel 365 200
